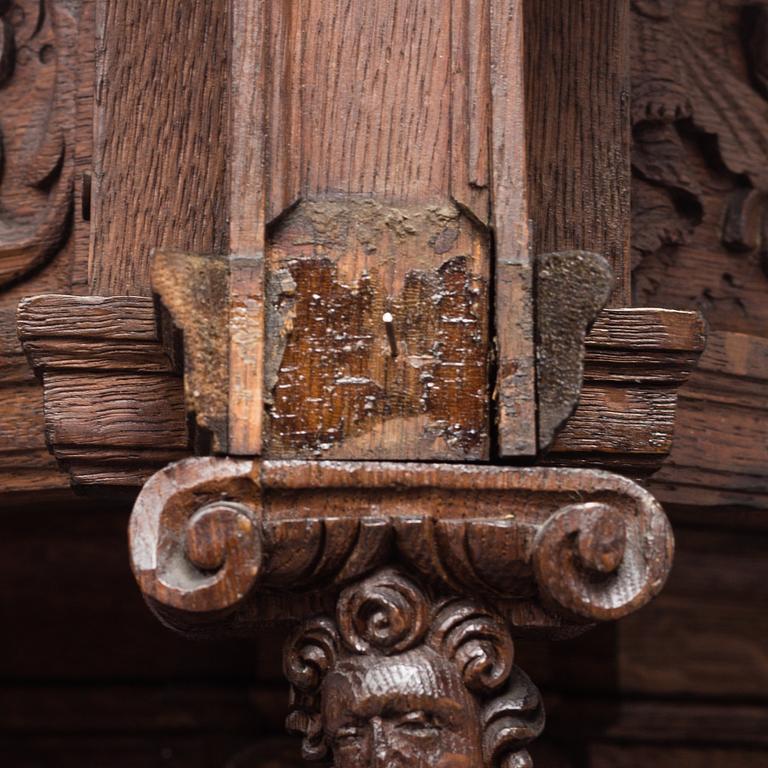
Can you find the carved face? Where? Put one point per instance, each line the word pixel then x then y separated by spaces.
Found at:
pixel 406 711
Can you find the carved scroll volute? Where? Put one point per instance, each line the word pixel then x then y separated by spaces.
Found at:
pixel 404 655
pixel 593 563
pixel 400 678
pixel 195 538
pixel 37 48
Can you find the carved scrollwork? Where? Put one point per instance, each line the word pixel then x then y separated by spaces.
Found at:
pixel 557 548
pixel 432 684
pixel 37 48
pixel 592 562
pixel 201 538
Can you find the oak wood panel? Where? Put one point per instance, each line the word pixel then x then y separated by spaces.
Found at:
pixel 376 99
pixel 159 175
pixel 247 226
pixel 360 127
pixel 577 68
pixel 516 379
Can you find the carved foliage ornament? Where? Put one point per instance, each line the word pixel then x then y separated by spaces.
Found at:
pixel 37 47
pixel 398 678
pixel 687 91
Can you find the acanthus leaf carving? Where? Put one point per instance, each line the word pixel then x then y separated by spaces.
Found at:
pixel 555 549
pixel 691 108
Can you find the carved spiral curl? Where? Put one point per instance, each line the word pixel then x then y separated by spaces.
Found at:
pixel 478 642
pixel 309 654
pixel 596 562
pixel 387 613
pixel 510 722
pixel 193 548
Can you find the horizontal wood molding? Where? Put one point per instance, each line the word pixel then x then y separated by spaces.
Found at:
pixel 634 362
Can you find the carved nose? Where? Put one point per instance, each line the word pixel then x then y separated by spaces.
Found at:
pixel 384 754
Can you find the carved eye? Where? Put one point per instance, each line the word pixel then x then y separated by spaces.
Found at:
pixel 348 734
pixel 420 723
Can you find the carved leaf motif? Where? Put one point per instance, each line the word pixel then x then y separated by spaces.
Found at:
pixel 683 81
pixel 37 42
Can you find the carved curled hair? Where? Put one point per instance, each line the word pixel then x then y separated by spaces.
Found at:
pixel 310 653
pixel 389 614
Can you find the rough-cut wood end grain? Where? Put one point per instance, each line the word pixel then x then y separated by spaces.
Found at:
pixel 635 362
pixel 553 548
pixel 113 402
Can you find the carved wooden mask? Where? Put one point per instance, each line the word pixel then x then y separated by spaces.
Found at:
pixel 400 679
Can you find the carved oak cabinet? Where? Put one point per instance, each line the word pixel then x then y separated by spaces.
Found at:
pixel 381 326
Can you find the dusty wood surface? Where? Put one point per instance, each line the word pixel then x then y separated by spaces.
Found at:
pixel 516 378
pixel 336 388
pixel 634 362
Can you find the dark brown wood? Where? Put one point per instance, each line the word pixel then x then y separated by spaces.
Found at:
pixel 398 676
pixel 516 374
pixel 578 68
pixel 635 360
pixel 156 184
pixel 720 451
pixel 527 538
pixel 37 73
pixel 116 405
pixel 699 205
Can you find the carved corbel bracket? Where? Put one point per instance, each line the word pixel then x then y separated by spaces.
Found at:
pixel 384 563
pixel 558 548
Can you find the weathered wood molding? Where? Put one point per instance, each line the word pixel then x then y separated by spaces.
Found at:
pixel 115 407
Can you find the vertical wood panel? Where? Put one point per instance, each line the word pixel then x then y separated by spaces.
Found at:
pixel 247 226
pixel 577 54
pixel 516 390
pixel 160 137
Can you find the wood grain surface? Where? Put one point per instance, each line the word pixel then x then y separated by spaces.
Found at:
pixel 161 118
pixel 577 68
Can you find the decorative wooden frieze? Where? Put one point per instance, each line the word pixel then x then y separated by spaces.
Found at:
pixel 211 536
pixel 634 362
pixel 699 159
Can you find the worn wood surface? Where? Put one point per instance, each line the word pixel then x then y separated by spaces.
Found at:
pixel 614 698
pixel 577 67
pixel 516 377
pixel 634 362
pixel 159 182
